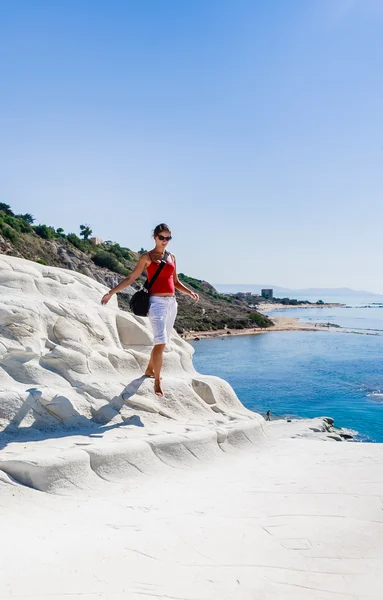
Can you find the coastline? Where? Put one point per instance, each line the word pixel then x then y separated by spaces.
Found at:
pixel 267 307
pixel 280 324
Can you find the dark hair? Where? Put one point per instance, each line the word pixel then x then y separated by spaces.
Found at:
pixel 161 227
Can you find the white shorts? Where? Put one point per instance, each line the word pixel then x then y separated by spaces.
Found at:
pixel 162 314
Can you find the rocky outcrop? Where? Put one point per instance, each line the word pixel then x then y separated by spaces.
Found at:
pixel 67 361
pixel 72 385
pixel 319 428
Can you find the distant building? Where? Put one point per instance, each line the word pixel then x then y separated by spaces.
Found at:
pixel 96 241
pixel 267 294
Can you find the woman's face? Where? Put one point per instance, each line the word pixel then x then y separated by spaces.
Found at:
pixel 163 238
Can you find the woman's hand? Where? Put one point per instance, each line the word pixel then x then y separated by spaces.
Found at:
pixel 105 299
pixel 194 296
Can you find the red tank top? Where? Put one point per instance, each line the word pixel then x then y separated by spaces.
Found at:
pixel 164 283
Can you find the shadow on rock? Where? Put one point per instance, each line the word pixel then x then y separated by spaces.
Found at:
pixel 107 412
pixel 46 418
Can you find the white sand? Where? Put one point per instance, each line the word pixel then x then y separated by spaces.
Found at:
pixel 278 519
pixel 280 324
pixel 191 497
pixel 267 307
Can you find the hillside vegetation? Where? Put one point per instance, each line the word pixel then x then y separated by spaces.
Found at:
pixel 109 263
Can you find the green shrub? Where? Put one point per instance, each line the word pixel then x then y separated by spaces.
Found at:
pixel 41 261
pixel 259 319
pixel 75 240
pixel 109 261
pixel 24 227
pixel 126 253
pixel 116 251
pixel 45 232
pixel 12 222
pixel 9 233
pixel 119 252
pixel 6 209
pixel 87 246
pixel 27 218
pixel 195 283
pixel 218 296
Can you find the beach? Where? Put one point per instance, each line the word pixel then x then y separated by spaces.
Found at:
pixel 280 324
pixel 267 307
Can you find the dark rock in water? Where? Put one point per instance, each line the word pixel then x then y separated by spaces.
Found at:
pixel 346 436
pixel 196 339
pixel 328 420
pixel 288 420
pixel 228 332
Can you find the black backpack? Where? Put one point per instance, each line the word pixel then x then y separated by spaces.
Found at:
pixel 139 302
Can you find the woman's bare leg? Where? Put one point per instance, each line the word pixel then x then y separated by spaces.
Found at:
pixel 157 353
pixel 149 369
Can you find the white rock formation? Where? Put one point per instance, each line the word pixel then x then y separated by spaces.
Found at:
pixel 67 361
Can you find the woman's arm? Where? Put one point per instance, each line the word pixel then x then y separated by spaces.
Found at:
pixel 180 286
pixel 142 262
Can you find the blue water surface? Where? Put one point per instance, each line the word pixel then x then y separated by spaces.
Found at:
pixel 307 373
pixel 358 318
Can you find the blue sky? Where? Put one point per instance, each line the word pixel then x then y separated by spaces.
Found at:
pixel 253 128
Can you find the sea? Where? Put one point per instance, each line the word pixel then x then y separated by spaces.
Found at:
pixel 302 374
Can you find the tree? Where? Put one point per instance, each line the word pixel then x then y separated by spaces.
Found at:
pixel 7 209
pixel 85 231
pixel 142 251
pixel 28 218
pixel 60 232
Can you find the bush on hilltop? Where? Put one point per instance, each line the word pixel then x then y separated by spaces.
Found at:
pixel 5 208
pixel 28 218
pixel 45 232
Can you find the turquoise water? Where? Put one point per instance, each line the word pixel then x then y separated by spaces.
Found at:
pixel 308 374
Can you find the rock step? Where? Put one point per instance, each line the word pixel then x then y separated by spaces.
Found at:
pixel 74 469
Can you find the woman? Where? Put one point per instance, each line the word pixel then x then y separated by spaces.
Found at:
pixel 163 304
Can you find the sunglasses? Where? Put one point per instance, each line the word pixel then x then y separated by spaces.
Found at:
pixel 163 238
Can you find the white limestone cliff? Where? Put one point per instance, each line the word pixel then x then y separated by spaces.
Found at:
pixel 69 361
pixel 71 366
